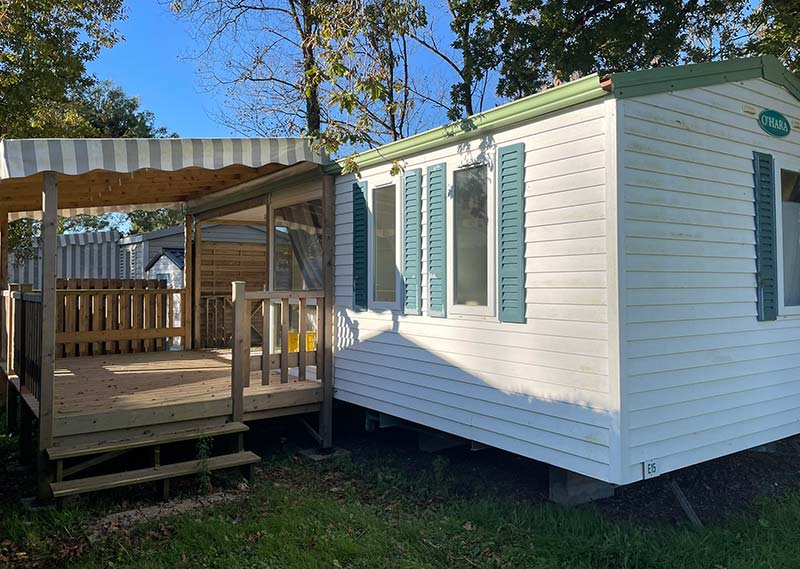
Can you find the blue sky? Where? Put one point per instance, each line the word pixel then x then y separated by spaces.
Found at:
pixel 151 64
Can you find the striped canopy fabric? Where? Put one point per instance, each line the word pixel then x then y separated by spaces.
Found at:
pixel 26 157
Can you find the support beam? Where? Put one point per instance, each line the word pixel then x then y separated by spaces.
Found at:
pixel 197 286
pixel 4 388
pixel 188 281
pixel 327 326
pixel 240 370
pixel 48 341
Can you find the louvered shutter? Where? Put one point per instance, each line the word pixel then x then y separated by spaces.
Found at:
pixel 412 241
pixel 511 234
pixel 437 241
pixel 766 236
pixel 360 239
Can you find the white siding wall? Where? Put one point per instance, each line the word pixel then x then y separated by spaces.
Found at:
pixel 539 389
pixel 703 377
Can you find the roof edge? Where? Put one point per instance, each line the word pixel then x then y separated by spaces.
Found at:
pixel 626 85
pixel 545 102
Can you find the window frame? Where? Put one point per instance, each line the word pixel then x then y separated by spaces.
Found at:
pixel 376 184
pixel 488 312
pixel 779 163
pixel 277 201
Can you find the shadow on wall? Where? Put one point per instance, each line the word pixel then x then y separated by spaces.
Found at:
pixel 480 396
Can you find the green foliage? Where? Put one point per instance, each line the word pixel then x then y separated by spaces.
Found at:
pixel 143 221
pixel 44 47
pixel 113 114
pixel 775 30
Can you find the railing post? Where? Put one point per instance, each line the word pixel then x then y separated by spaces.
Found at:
pixel 240 368
pixel 326 327
pixel 48 328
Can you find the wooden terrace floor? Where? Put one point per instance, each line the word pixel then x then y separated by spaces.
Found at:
pixel 129 394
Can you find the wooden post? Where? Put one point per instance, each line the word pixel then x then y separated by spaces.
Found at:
pixel 4 343
pixel 240 370
pixel 197 287
pixel 188 281
pixel 48 341
pixel 326 329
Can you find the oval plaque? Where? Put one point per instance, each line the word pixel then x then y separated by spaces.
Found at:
pixel 774 123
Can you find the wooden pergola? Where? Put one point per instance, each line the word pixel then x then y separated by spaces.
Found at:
pixel 207 178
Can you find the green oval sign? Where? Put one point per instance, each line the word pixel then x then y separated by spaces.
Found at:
pixel 774 123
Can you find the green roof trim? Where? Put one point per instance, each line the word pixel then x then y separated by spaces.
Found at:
pixel 567 95
pixel 660 80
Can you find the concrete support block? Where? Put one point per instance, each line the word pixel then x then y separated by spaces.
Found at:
pixel 569 488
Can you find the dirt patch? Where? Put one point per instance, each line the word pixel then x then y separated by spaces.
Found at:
pixel 124 522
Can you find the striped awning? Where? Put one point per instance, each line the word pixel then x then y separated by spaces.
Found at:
pixel 75 156
pixel 101 175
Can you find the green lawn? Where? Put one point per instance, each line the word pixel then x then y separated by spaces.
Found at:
pixel 373 513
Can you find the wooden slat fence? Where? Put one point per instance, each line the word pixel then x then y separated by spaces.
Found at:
pixel 117 316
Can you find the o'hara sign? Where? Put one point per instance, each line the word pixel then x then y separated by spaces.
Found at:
pixel 774 123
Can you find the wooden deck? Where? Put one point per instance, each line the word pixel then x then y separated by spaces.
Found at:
pixel 133 396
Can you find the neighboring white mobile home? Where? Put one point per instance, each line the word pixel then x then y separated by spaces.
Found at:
pixel 604 276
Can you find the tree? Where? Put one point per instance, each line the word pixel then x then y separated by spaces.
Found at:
pixel 362 72
pixel 113 114
pixel 143 221
pixel 261 52
pixel 44 47
pixel 774 28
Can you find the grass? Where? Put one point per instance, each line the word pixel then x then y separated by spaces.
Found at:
pixel 376 512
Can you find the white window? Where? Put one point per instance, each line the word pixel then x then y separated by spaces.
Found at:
pixel 383 242
pixel 789 241
pixel 471 242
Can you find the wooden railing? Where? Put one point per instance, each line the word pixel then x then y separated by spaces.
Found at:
pixel 26 345
pixel 286 361
pixel 113 316
pixel 216 322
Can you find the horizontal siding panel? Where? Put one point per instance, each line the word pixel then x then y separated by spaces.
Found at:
pixel 509 362
pixel 525 448
pixel 563 247
pixel 711 372
pixel 659 214
pixel 588 379
pixel 729 431
pixel 746 407
pixel 568 198
pixel 553 431
pixel 669 198
pixel 708 341
pixel 645 400
pixel 637 179
pixel 654 296
pixel 693 233
pixel 419 330
pixel 661 247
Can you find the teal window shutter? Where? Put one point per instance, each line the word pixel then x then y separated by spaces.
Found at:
pixel 766 237
pixel 412 241
pixel 437 241
pixel 360 249
pixel 511 233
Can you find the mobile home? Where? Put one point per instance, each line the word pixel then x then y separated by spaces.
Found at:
pixel 602 276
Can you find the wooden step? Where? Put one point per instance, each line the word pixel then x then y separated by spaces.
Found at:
pixel 120 479
pixel 60 453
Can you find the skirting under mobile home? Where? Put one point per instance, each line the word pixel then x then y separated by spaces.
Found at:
pixel 604 276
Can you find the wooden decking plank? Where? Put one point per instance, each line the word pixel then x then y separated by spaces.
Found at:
pixel 177 436
pixel 117 480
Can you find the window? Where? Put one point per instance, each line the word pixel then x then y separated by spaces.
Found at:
pixel 384 238
pixel 297 246
pixel 470 237
pixel 790 221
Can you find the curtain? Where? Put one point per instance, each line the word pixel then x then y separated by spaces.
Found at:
pixel 303 224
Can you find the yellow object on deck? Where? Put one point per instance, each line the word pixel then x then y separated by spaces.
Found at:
pixel 294 341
